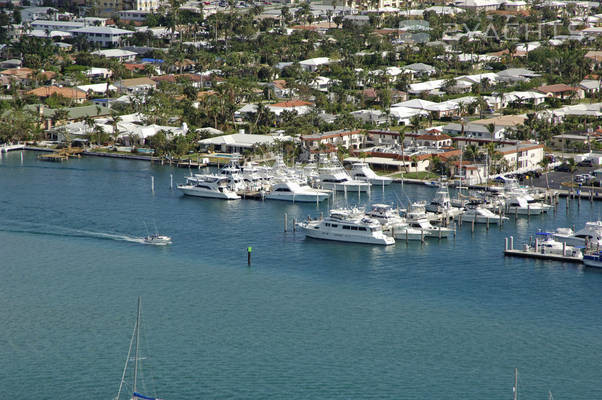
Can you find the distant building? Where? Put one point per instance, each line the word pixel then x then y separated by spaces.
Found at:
pixel 561 91
pixel 332 139
pixel 103 36
pixel 73 94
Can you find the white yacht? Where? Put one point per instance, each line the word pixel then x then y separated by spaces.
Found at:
pixel 521 205
pixel 361 171
pixel 215 186
pixel 157 240
pixel 441 204
pixel 233 172
pixel 393 223
pixel 481 215
pixel 290 190
pixel 590 235
pixel 335 177
pixel 347 225
pixel 417 210
pixel 545 244
pixel 429 229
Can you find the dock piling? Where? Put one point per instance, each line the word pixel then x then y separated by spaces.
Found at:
pixel 511 243
pixel 171 181
pixel 249 249
pixel 505 243
pixel 285 221
pixel 294 224
pixel 153 184
pixel 21 158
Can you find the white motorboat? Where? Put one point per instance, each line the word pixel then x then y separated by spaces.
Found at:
pixel 233 172
pixel 157 240
pixel 347 225
pixel 481 215
pixel 590 235
pixel 393 223
pixel 290 190
pixel 336 178
pixel 441 204
pixel 521 206
pixel 417 210
pixel 429 229
pixel 593 260
pixel 545 244
pixel 213 186
pixel 361 171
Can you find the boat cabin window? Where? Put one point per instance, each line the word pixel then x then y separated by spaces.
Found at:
pixel 327 224
pixel 354 228
pixel 361 228
pixel 334 225
pixel 283 190
pixel 346 227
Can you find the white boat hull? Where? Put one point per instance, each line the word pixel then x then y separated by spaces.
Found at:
pixel 365 239
pixel 350 188
pixel 407 234
pixel 302 198
pixel 199 192
pixel 480 219
pixel 525 211
pixel 377 181
pixel 592 261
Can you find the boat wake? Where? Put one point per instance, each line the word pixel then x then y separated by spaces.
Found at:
pixel 49 230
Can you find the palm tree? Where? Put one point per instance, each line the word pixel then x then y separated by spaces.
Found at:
pixel 545 163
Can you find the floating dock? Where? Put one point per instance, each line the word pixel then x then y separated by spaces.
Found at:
pixel 531 253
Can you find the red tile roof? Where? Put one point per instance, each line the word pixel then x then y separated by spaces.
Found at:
pixel 292 103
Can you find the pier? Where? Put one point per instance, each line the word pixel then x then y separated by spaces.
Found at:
pixel 530 252
pixel 62 155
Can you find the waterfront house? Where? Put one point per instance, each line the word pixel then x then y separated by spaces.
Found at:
pixel 118 54
pixel 239 142
pixel 473 130
pixel 331 140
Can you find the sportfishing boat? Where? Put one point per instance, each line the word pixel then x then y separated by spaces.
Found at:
pixel 361 171
pixel 429 229
pixel 520 205
pixel 545 244
pixel 417 210
pixel 593 260
pixel 137 373
pixel 233 172
pixel 590 235
pixel 441 204
pixel 335 177
pixel 347 225
pixel 213 186
pixel 290 190
pixel 481 215
pixel 393 223
pixel 157 240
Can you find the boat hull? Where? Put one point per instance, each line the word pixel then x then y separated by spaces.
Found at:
pixel 350 188
pixel 318 234
pixel 480 219
pixel 302 198
pixel 196 192
pixel 592 261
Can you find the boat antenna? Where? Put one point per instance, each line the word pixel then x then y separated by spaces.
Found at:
pixel 127 360
pixel 515 388
pixel 146 228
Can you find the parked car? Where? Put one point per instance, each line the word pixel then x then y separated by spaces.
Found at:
pixel 586 163
pixel 562 168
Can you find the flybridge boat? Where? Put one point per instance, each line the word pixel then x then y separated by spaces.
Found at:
pixel 393 223
pixel 417 217
pixel 441 204
pixel 593 260
pixel 481 215
pixel 336 178
pixel 290 190
pixel 361 171
pixel 213 186
pixel 590 235
pixel 347 225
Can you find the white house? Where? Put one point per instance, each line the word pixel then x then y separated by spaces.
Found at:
pixel 312 64
pixel 239 142
pixel 104 36
pixel 121 55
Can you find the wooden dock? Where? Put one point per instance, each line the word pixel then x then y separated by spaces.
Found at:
pixel 533 254
pixel 251 194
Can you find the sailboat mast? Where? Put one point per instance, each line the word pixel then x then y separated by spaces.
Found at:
pixel 127 360
pixel 137 343
pixel 515 383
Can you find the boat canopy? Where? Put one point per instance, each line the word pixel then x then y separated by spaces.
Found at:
pixel 141 396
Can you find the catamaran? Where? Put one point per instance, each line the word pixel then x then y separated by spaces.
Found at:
pixel 134 345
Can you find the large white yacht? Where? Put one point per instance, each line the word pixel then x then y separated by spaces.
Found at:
pixel 590 235
pixel 233 172
pixel 335 177
pixel 290 190
pixel 214 186
pixel 361 171
pixel 347 225
pixel 394 223
pixel 482 215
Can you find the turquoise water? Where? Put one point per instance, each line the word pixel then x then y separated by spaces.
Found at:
pixel 310 319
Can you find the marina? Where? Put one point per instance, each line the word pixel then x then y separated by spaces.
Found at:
pixel 412 293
